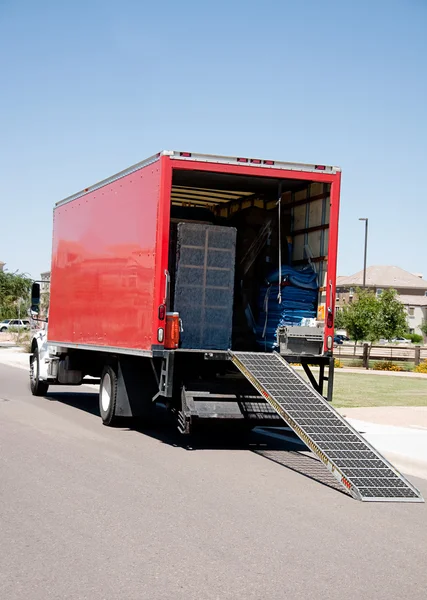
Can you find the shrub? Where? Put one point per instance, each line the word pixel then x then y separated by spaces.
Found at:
pixel 338 363
pixel 13 329
pixel 414 338
pixel 422 367
pixel 386 365
pixel 25 342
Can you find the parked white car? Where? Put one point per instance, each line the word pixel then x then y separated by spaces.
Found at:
pixel 400 340
pixel 14 324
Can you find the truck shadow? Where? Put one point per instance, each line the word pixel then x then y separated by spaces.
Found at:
pixel 284 452
pixel 86 401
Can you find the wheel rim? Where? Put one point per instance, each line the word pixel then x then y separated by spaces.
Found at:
pixel 106 392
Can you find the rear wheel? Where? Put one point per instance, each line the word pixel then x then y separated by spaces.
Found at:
pixel 38 386
pixel 3 329
pixel 108 395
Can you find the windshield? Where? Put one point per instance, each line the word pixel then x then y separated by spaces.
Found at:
pixel 6 321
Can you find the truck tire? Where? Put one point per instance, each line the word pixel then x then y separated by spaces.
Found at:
pixel 108 395
pixel 38 386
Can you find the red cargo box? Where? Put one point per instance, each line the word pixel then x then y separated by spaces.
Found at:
pixel 111 244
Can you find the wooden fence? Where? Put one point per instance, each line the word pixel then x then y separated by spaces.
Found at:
pixel 414 354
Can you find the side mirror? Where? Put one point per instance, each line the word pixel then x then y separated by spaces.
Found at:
pixel 35 297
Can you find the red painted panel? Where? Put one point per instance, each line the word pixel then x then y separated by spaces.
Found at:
pixel 162 252
pixel 193 165
pixel 104 285
pixel 333 251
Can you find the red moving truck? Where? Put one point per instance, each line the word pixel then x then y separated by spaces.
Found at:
pixel 156 278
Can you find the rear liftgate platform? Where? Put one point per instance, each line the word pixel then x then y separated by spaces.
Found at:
pixel 361 470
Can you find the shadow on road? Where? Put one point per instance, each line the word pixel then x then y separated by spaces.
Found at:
pixel 86 401
pixel 284 452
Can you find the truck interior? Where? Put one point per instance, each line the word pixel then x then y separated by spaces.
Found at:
pixel 292 233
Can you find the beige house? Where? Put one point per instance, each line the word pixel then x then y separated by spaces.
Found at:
pixel 411 287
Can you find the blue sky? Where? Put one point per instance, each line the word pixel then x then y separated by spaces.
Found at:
pixel 89 88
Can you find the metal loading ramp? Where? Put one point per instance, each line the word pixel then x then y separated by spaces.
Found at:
pixel 361 470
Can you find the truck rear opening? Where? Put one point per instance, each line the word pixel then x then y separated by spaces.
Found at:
pixel 280 222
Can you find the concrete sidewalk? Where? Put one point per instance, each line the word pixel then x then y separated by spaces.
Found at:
pixel 15 357
pixel 404 447
pixel 414 417
pixel 398 432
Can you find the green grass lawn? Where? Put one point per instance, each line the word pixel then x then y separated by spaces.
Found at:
pixel 352 389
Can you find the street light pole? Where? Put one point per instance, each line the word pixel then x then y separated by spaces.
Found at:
pixel 366 251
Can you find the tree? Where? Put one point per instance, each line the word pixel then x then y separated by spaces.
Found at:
pixel 371 318
pixel 423 327
pixel 361 316
pixel 340 319
pixel 14 294
pixel 391 318
pixel 44 303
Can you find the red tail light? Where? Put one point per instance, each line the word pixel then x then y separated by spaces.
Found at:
pixel 172 330
pixel 330 320
pixel 162 312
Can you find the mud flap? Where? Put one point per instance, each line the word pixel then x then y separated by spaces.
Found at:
pixel 135 388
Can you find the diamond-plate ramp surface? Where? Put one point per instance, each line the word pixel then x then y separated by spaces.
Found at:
pixel 351 459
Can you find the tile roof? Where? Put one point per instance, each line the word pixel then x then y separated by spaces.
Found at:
pixel 384 276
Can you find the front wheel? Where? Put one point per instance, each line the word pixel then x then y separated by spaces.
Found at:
pixel 38 386
pixel 108 395
pixel 3 329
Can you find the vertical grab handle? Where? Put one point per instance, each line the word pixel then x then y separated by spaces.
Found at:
pixel 167 282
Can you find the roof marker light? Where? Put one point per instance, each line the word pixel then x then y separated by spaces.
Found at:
pixel 320 167
pixel 268 162
pixel 243 160
pixel 256 161
pixel 185 154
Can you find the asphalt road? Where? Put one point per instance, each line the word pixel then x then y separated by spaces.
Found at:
pixel 104 514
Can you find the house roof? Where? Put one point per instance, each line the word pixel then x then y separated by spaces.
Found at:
pixel 408 300
pixel 384 276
